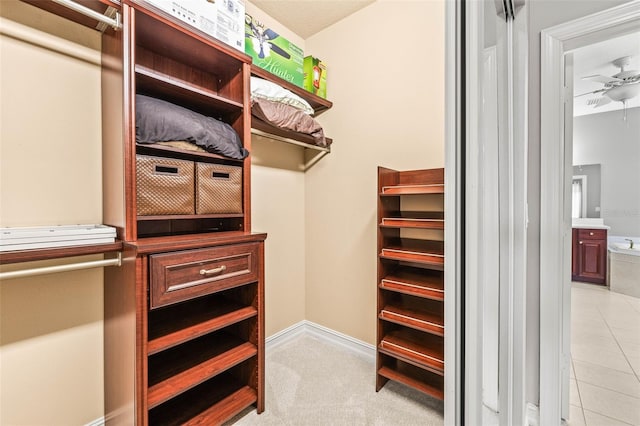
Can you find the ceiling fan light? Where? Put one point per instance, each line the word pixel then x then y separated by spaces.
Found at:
pixel 623 93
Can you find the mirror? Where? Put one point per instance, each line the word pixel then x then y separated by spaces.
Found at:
pixel 585 191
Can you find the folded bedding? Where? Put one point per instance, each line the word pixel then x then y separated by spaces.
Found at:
pixel 263 89
pixel 288 117
pixel 159 121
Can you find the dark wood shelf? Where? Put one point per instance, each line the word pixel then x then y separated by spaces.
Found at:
pixel 19 256
pixel 158 84
pixel 415 282
pixel 420 349
pixel 189 216
pixel 429 322
pixel 302 139
pixel 179 369
pixel 417 220
pixel 421 380
pixel 99 6
pixel 412 190
pixel 318 104
pixel 171 152
pixel 178 324
pixel 211 403
pixel 426 252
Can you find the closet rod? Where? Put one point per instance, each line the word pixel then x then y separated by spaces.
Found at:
pixel 62 268
pixel 114 22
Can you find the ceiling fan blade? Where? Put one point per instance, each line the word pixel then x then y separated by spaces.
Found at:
pixel 590 93
pixel 599 78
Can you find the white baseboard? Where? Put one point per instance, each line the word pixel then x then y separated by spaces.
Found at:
pixel 307 327
pixel 285 335
pixel 533 414
pixel 96 422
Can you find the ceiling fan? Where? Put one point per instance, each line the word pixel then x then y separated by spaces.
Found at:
pixel 619 87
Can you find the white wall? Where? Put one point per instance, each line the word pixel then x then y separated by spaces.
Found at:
pixel 542 14
pixel 51 338
pixel 386 79
pixel 277 207
pixel 615 144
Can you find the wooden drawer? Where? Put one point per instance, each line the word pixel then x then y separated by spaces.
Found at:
pixel 183 275
pixel 592 234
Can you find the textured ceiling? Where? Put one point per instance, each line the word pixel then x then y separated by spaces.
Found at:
pixel 307 17
pixel 596 59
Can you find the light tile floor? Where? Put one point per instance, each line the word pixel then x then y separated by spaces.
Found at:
pixel 605 357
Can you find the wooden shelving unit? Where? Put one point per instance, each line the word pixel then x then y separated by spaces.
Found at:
pixel 410 342
pixel 185 347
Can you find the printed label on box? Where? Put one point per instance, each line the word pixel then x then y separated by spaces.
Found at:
pixel 221 19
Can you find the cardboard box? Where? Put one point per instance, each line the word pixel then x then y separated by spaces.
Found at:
pixel 315 76
pixel 272 52
pixel 221 19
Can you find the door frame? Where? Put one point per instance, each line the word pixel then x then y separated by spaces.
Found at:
pixel 453 304
pixel 554 223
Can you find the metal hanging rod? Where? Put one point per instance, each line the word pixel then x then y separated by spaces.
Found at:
pixel 116 22
pixel 62 268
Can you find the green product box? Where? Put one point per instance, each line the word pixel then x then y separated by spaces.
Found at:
pixel 273 52
pixel 315 76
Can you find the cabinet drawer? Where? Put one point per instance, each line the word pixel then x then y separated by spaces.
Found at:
pixel 179 276
pixel 592 234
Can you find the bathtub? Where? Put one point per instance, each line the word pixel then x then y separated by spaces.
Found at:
pixel 624 265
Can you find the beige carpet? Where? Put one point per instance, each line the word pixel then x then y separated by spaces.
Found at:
pixel 310 381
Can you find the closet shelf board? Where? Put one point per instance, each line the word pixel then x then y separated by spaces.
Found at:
pixel 415 282
pixel 412 189
pixel 394 222
pixel 428 322
pixel 151 81
pixel 428 385
pixel 414 250
pixel 168 151
pixel 211 403
pixel 189 369
pixel 261 128
pixel 425 353
pixel 19 256
pixel 171 327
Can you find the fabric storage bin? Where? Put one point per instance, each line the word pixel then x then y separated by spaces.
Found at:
pixel 218 189
pixel 165 186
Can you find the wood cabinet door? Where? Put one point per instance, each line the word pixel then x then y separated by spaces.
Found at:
pixel 592 260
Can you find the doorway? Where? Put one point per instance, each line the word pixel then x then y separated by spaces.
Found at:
pixel 557 200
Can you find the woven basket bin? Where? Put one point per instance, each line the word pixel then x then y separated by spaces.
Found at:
pixel 218 189
pixel 165 186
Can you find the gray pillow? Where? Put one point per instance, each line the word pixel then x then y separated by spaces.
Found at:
pixel 159 121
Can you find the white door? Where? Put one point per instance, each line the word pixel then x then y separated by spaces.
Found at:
pixel 566 240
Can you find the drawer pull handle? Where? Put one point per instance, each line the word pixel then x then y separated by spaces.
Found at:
pixel 590 233
pixel 213 271
pixel 580 243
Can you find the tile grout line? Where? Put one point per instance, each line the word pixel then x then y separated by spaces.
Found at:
pixel 611 390
pixel 619 346
pixel 608 417
pixel 575 377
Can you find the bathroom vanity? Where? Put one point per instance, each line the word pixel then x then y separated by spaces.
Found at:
pixel 589 252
